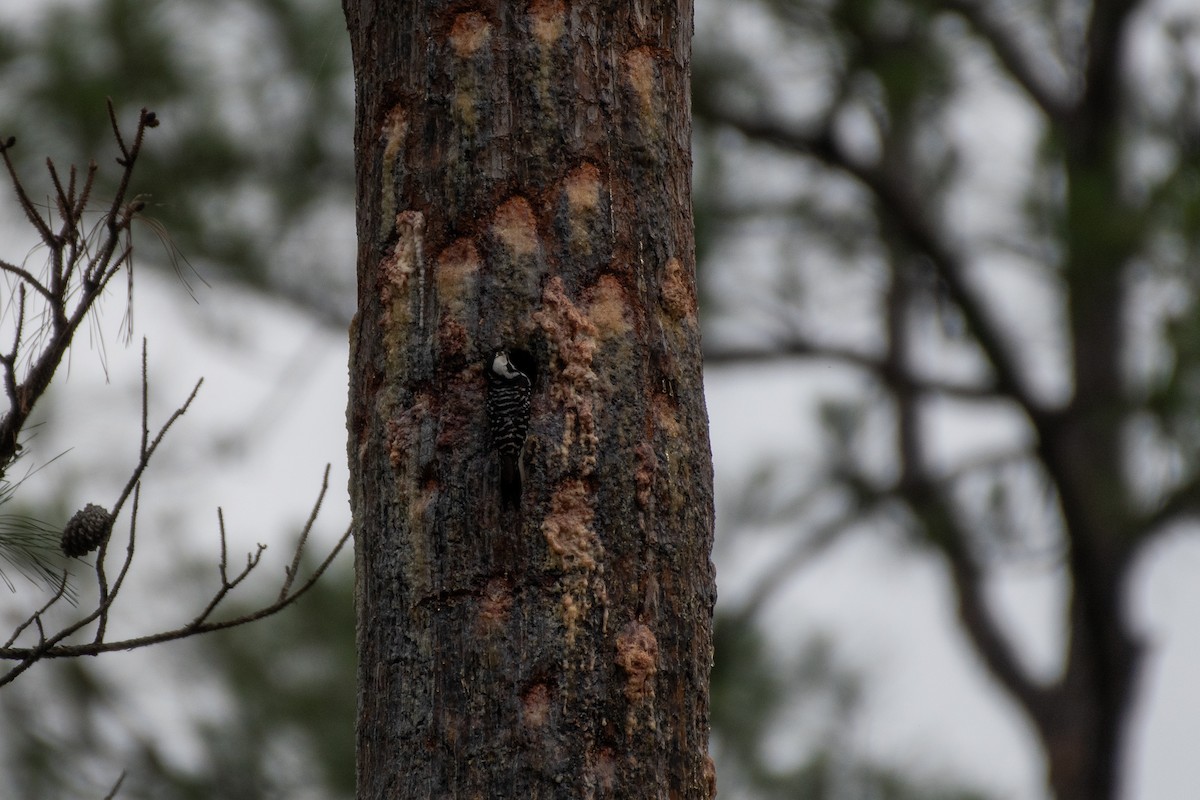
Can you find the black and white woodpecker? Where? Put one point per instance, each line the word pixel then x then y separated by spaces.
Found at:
pixel 509 390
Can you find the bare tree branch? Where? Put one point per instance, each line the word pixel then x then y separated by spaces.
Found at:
pixel 795 349
pixel 9 360
pixel 35 617
pixel 294 569
pixel 942 528
pixel 31 212
pixel 227 585
pixel 68 303
pixel 28 278
pixel 786 565
pixel 899 204
pixel 112 793
pixel 82 261
pixel 148 447
pixel 50 646
pixel 983 629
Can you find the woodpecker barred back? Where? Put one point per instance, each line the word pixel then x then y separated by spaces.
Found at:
pixel 509 390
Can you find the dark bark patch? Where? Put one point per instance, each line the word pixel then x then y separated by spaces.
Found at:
pixel 494 606
pixel 535 706
pixel 461 398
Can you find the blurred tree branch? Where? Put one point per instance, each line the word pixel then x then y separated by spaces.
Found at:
pixel 1012 56
pixel 899 204
pixel 795 348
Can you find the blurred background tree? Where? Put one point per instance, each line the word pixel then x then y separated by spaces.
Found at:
pixel 972 224
pixel 261 110
pixel 987 212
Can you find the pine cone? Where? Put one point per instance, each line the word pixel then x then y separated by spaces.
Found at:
pixel 87 530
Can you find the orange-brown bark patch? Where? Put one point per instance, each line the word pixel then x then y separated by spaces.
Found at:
pixel 666 418
pixel 639 73
pixel 678 293
pixel 604 769
pixel 582 188
pixel 567 527
pixel 393 133
pixel 516 227
pixel 608 308
pixel 647 466
pixel 456 274
pixel 571 336
pixel 637 655
pixel 469 33
pixel 404 430
pixel 547 21
pixel 404 259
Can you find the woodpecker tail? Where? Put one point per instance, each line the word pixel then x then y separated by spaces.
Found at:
pixel 510 481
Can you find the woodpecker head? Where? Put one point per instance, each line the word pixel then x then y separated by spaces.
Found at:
pixel 503 366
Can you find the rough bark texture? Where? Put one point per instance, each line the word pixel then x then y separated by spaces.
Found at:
pixel 524 183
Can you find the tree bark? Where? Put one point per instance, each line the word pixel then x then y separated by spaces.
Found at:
pixel 523 174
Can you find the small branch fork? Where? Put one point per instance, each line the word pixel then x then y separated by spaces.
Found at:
pixel 81 262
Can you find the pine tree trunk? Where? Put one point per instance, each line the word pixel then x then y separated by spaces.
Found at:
pixel 524 184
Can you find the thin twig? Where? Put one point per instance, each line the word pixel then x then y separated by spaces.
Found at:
pixel 37 615
pixel 27 205
pixel 79 243
pixel 28 278
pixel 112 793
pixel 223 564
pixel 9 360
pixel 294 569
pixel 149 449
